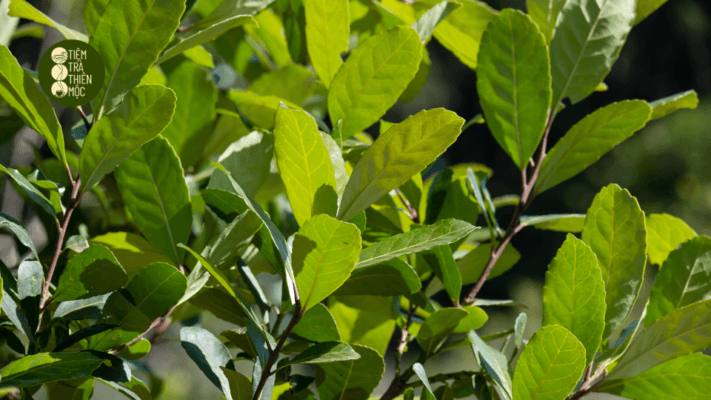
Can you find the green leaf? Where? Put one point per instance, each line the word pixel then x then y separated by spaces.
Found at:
pixel 590 139
pixel 549 366
pixel 22 94
pixel 339 166
pixel 325 352
pixel 325 253
pixel 664 234
pixel 427 23
pixel 92 272
pixel 270 31
pixel 22 9
pixel 153 187
pixel 209 354
pixel 418 82
pixel 221 304
pixel 186 42
pixel 589 37
pixel 75 389
pixel 555 222
pixel 192 122
pixel 685 278
pixel 327 29
pixel 129 37
pixel 663 107
pixel 441 260
pixel 451 198
pixel 475 320
pixel 352 379
pixel 247 159
pixel 371 80
pixel 687 377
pixel 437 327
pixel 198 55
pixel 11 307
pixel 472 265
pixel 397 155
pixel 440 233
pixel 615 231
pixel 574 294
pixel 461 31
pixel 494 363
pixel 81 309
pixel 30 278
pixel 145 113
pixel 93 10
pixel 514 83
pixel 683 331
pixel 32 191
pixel 390 278
pixel 136 350
pixel 645 8
pixel 317 325
pixel 224 251
pixel 292 83
pixel 43 368
pixel 22 235
pixel 152 292
pixel 9 24
pixel 365 320
pixel 422 375
pixel 545 14
pixel 132 251
pixel 304 164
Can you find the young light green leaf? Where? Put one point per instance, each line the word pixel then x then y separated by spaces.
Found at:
pixel 131 250
pixel 495 364
pixel 390 278
pixel 365 320
pixel 555 222
pixel 683 331
pixel 664 234
pixel 685 278
pixel 203 36
pixel 339 166
pixel 374 76
pixel 545 14
pixel 304 165
pixel 472 265
pixel 209 354
pixel 663 107
pixel 645 8
pixel 327 29
pixel 427 23
pixel 275 234
pixel 325 352
pixel 441 260
pixel 23 9
pixel 325 253
pixel 422 375
pixel 590 139
pixel 22 94
pixel 615 231
pixel 437 327
pixel 440 233
pixel 41 368
pixel 401 152
pixel 475 320
pixel 317 325
pixel 514 83
pixel 92 272
pixel 141 117
pixel 192 123
pixel 574 294
pixel 22 235
pixel 461 31
pixel 549 366
pixel 153 187
pixel 129 37
pixel 687 377
pixel 589 37
pixel 344 378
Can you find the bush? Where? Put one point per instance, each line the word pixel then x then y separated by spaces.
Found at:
pixel 164 203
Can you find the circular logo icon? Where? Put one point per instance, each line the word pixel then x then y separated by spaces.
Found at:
pixel 71 73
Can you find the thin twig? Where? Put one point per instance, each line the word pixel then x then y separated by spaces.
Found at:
pixel 403 338
pixel 62 231
pixel 413 213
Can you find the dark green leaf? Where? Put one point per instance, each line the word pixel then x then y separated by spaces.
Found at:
pixel 441 260
pixel 48 367
pixel 247 160
pixel 437 327
pixel 92 272
pixel 209 354
pixel 390 278
pixel 545 14
pixel 365 320
pixel 317 325
pixel 81 309
pixel 325 352
pixel 422 375
pixel 494 363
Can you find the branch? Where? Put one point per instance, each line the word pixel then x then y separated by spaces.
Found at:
pixel 62 231
pixel 274 354
pixel 413 213
pixel 590 384
pixel 527 195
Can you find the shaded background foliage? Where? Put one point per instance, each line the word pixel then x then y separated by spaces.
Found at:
pixel 665 165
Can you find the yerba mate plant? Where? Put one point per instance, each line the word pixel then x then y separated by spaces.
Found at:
pixel 223 168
